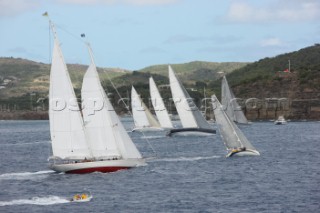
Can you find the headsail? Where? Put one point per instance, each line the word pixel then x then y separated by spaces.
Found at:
pixel 141 114
pixel 66 124
pixel 158 105
pixel 106 135
pixel 230 104
pixel 189 113
pixel 232 136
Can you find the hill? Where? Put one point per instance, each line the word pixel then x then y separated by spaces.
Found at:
pixel 196 70
pixel 24 84
pixel 295 94
pixel 195 76
pixel 267 81
pixel 20 76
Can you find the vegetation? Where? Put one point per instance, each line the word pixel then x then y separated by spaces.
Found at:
pixel 24 84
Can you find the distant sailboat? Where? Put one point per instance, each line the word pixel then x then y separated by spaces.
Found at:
pixel 102 145
pixel 230 104
pixel 191 118
pixel 235 141
pixel 143 119
pixel 158 106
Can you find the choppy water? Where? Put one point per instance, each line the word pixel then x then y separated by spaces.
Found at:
pixel 188 174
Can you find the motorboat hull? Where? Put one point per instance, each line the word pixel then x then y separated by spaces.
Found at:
pixel 280 122
pixel 81 199
pixel 191 131
pixel 104 166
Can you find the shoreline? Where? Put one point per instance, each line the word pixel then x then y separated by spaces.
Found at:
pixel 43 115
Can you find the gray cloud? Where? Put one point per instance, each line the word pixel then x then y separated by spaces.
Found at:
pixel 20 50
pixel 182 39
pixel 152 50
pixel 272 41
pixel 275 11
pixel 130 2
pixel 15 7
pixel 216 38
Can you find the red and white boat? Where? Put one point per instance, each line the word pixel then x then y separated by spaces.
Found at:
pixel 94 142
pixel 96 166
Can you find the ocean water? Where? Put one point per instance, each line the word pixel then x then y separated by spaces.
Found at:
pixel 183 174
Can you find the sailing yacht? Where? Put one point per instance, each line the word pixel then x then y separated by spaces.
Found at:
pixel 230 104
pixel 100 144
pixel 192 120
pixel 142 117
pixel 158 106
pixel 235 141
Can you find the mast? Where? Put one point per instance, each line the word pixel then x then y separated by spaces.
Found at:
pixel 289 65
pixel 95 114
pixel 66 124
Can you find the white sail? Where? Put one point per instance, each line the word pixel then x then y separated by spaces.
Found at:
pixel 189 113
pixel 141 114
pixel 158 105
pixel 232 136
pixel 106 135
pixel 230 103
pixel 66 124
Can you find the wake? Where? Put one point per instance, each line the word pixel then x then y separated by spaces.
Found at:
pixel 50 200
pixel 183 159
pixel 24 144
pixel 25 175
pixel 152 137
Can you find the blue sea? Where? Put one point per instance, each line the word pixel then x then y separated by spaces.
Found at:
pixel 183 174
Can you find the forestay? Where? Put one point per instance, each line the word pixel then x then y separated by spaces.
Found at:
pixel 105 133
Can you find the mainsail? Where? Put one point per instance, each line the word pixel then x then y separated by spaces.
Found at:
pixel 230 104
pixel 189 113
pixel 158 105
pixel 141 114
pixel 232 136
pixel 105 133
pixel 66 124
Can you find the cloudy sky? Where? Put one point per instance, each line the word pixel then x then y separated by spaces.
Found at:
pixel 133 34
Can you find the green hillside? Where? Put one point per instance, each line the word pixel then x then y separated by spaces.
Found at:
pixel 196 70
pixel 268 73
pixel 24 84
pixel 195 76
pixel 19 77
pixel 266 81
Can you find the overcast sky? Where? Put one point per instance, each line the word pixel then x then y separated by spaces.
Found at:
pixel 133 34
